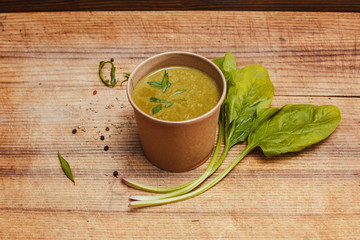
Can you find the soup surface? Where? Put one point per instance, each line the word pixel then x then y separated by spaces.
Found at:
pixel 176 93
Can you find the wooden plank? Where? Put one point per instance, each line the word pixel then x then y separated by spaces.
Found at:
pixel 48 72
pixel 303 57
pixel 232 5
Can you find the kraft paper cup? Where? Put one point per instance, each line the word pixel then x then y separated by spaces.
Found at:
pixel 177 146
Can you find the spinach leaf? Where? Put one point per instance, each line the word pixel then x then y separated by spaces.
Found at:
pixel 295 127
pixel 226 64
pixel 165 84
pixel 156 109
pixel 249 88
pixel 66 168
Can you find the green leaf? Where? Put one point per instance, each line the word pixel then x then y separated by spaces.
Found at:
pixel 169 104
pixel 66 168
pixel 156 84
pixel 249 91
pixel 226 64
pixel 178 92
pixel 112 74
pixel 295 127
pixel 165 84
pixel 158 100
pixel 156 109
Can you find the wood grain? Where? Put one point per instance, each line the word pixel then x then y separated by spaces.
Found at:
pixel 48 72
pixel 228 5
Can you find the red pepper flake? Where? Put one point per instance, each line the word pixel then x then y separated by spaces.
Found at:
pixel 94 92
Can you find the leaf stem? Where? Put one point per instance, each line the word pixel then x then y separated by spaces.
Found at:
pixel 193 184
pixel 147 203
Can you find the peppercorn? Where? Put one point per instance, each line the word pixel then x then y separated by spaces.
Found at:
pixel 102 138
pixel 106 148
pixel 112 59
pixel 107 128
pixel 74 131
pixel 115 173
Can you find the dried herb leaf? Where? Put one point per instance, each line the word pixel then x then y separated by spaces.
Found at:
pixel 66 168
pixel 156 109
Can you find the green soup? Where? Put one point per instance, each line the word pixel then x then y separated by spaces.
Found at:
pixel 176 93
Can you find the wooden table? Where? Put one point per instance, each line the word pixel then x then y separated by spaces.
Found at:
pixel 49 70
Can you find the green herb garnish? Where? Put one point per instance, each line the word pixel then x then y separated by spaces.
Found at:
pixel 66 168
pixel 178 92
pixel 156 109
pixel 169 104
pixel 156 84
pixel 113 81
pixel 158 100
pixel 165 84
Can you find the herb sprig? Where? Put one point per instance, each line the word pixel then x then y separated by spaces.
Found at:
pixel 113 81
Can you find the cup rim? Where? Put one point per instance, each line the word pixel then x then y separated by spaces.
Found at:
pixel 184 122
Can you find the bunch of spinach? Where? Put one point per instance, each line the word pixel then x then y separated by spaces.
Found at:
pixel 245 114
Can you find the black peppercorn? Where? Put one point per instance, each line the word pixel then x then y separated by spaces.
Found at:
pixel 106 148
pixel 102 137
pixel 74 131
pixel 115 173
